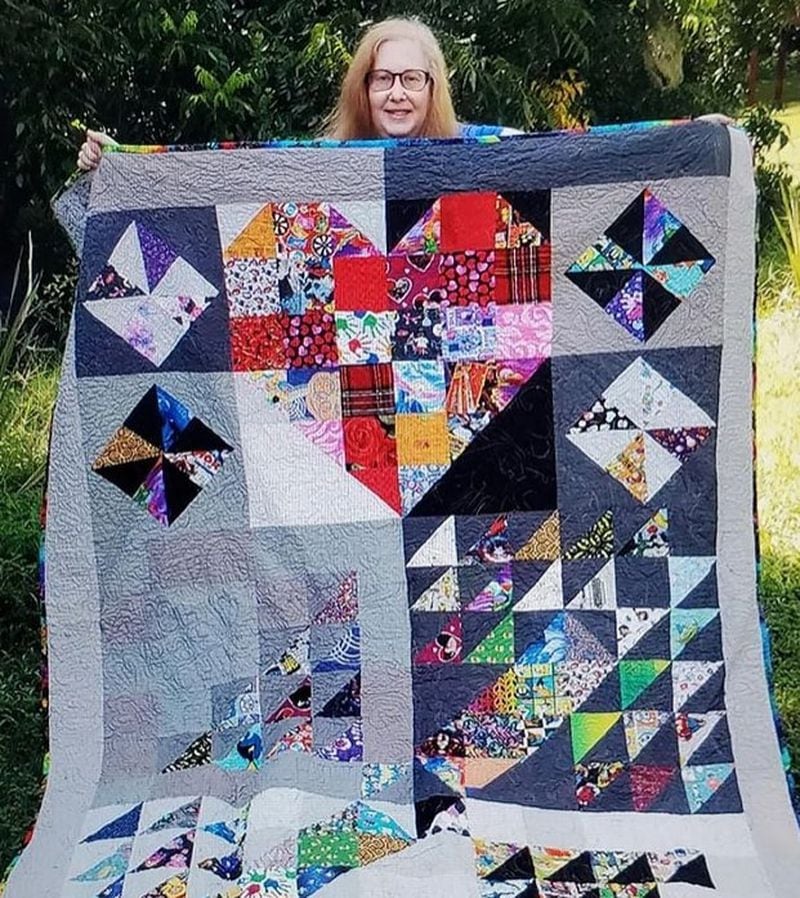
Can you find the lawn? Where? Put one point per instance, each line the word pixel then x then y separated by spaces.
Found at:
pixel 24 420
pixel 24 415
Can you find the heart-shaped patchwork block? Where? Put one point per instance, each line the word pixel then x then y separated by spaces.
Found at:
pixel 392 364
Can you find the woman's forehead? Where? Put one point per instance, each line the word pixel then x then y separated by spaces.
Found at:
pixel 400 53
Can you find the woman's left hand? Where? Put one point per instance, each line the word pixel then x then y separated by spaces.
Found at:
pixel 715 118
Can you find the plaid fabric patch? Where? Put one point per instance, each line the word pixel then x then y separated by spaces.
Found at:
pixel 522 275
pixel 367 390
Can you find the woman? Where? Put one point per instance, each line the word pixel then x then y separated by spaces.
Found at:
pixel 396 87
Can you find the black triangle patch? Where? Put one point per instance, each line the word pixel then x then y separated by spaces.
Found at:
pixel 726 800
pixel 428 785
pixel 695 872
pixel 346 702
pixel 179 490
pixel 654 644
pixel 673 799
pixel 709 697
pixel 518 866
pixel 607 695
pixel 579 869
pixel 534 782
pixel 655 697
pixel 128 476
pixel 716 749
pixel 145 419
pixel 601 286
pixel 533 206
pixel 638 871
pixel 402 215
pixel 520 439
pixel 707 645
pixel 658 305
pixel 196 437
pixel 611 747
pixel 616 797
pixel 426 811
pixel 661 750
pixel 682 246
pixel 628 228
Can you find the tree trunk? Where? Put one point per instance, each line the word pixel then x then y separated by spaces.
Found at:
pixel 752 77
pixel 780 70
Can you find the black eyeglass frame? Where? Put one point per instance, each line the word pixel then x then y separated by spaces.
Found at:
pixel 395 76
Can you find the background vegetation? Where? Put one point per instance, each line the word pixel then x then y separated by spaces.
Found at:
pixel 196 70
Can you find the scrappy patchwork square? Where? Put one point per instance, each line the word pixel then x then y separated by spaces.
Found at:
pixel 148 293
pixel 162 456
pixel 642 267
pixel 641 430
pixel 436 330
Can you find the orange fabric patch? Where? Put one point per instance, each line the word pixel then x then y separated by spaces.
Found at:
pixel 422 439
pixel 257 240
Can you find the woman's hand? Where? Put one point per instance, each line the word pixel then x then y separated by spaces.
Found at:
pixel 91 151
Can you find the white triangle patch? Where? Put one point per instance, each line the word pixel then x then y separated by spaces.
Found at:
pixel 659 465
pixel 600 593
pixel 141 323
pixel 368 216
pixel 603 446
pixel 626 392
pixel 546 594
pixel 664 405
pixel 182 279
pixel 686 573
pixel 439 549
pixel 127 258
pixel 233 219
pixel 633 624
pixel 442 595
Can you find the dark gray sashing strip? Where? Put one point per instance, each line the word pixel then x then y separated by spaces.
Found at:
pixel 534 162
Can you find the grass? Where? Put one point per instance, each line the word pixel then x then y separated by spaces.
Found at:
pixel 24 420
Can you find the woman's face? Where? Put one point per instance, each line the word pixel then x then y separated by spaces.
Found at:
pixel 398 112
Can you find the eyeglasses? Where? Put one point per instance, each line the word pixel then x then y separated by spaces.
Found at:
pixel 411 79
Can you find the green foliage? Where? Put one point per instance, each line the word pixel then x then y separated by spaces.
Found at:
pixel 27 393
pixel 767 135
pixel 765 130
pixel 190 71
pixel 787 224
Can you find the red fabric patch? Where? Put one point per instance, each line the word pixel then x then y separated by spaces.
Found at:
pixel 310 339
pixel 522 275
pixel 414 280
pixel 367 389
pixel 382 482
pixel 257 344
pixel 369 442
pixel 359 283
pixel 469 277
pixel 468 221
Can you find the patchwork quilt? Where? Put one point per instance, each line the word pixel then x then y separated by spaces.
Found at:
pixel 400 530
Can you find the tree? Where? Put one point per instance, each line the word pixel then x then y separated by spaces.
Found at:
pixel 195 70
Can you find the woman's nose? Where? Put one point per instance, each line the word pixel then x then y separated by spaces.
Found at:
pixel 397 93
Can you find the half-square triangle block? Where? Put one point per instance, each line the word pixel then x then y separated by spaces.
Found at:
pixel 644 265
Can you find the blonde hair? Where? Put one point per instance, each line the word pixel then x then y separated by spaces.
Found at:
pixel 351 118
